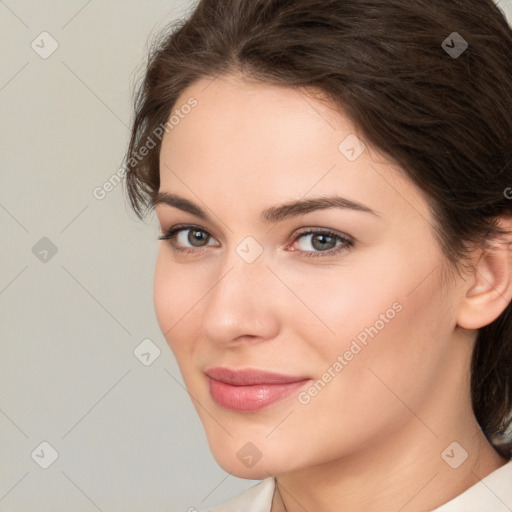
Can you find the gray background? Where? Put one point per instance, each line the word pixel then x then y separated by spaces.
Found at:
pixel 126 434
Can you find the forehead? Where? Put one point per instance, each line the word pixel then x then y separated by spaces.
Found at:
pixel 234 114
pixel 270 143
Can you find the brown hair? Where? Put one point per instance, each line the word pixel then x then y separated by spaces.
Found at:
pixel 445 118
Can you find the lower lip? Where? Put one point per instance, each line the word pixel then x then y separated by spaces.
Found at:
pixel 251 398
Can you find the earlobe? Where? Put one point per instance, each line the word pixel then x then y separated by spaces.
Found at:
pixel 489 284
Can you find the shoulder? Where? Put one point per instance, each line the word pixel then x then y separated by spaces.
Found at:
pixel 492 494
pixel 255 499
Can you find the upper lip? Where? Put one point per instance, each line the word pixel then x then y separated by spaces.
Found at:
pixel 250 376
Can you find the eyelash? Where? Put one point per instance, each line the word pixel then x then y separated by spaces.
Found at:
pixel 347 243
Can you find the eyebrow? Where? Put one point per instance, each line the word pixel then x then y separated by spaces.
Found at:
pixel 270 215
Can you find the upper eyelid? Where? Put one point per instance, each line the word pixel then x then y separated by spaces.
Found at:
pixel 184 226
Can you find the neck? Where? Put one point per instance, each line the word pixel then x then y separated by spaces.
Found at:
pixel 371 483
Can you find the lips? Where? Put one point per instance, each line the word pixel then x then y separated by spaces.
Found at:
pixel 250 390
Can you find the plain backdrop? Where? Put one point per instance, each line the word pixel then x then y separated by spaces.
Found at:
pixel 88 421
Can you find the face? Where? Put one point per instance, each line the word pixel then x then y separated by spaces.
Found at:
pixel 295 329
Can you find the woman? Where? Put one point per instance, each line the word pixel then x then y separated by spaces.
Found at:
pixel 335 274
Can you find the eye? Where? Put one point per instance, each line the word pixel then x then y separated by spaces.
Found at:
pixel 321 242
pixel 187 238
pixel 190 238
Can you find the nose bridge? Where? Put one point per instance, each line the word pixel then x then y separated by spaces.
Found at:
pixel 243 270
pixel 240 283
pixel 238 304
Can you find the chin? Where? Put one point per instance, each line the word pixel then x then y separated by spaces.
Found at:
pixel 244 459
pixel 235 467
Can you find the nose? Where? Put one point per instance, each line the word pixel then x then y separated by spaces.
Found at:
pixel 241 306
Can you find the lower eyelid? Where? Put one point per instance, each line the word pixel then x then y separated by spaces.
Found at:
pixel 319 254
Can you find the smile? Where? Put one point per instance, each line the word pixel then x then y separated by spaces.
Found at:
pixel 250 390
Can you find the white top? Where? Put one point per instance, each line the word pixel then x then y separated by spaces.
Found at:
pixel 491 494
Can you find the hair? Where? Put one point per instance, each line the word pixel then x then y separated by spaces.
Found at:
pixel 444 118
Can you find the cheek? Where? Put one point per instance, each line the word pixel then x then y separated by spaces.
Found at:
pixel 390 325
pixel 391 291
pixel 356 300
pixel 175 294
pixel 362 396
pixel 164 294
pixel 392 343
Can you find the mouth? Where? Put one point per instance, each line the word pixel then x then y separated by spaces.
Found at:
pixel 250 390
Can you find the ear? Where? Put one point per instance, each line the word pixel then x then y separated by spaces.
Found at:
pixel 488 288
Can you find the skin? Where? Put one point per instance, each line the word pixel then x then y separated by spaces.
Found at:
pixel 372 439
